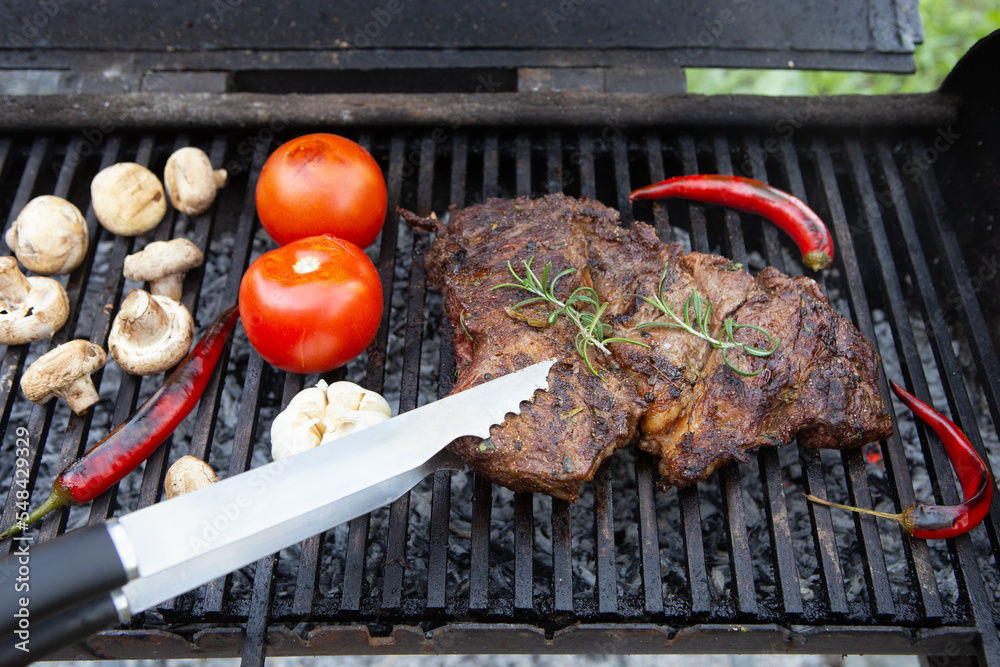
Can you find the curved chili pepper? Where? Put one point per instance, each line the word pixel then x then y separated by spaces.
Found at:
pixel 745 194
pixel 932 522
pixel 135 439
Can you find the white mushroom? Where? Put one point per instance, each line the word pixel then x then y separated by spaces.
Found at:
pixel 190 180
pixel 323 413
pixel 128 199
pixel 49 236
pixel 150 333
pixel 30 308
pixel 163 264
pixel 187 474
pixel 65 372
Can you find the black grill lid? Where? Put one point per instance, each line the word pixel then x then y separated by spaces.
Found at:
pixel 115 47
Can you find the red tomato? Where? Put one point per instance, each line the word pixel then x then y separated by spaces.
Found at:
pixel 321 184
pixel 312 305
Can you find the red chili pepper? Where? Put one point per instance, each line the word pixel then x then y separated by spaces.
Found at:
pixel 745 194
pixel 931 522
pixel 133 441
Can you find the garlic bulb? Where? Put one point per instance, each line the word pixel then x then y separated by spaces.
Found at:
pixel 323 413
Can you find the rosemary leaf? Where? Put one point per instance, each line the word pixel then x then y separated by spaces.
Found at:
pixel 582 307
pixel 701 308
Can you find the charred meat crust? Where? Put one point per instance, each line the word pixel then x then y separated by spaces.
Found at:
pixel 676 398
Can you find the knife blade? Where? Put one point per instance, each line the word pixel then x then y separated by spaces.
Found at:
pixel 237 521
pixel 147 591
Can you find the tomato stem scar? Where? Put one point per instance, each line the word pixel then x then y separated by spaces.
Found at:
pixel 306 265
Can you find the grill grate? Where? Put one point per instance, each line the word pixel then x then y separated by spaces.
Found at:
pixel 460 566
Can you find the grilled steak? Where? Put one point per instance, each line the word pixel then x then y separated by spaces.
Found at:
pixel 821 385
pixel 561 439
pixel 674 394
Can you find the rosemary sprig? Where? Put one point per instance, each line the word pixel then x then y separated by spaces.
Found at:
pixel 698 325
pixel 582 307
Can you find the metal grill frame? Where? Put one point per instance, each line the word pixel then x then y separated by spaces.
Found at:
pixel 911 246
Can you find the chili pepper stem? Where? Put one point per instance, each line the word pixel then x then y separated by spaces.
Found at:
pixel 55 501
pixel 817 260
pixel 904 518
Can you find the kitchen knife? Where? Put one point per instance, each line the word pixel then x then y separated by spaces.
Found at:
pixel 75 624
pixel 195 537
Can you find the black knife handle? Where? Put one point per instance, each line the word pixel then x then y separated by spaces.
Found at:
pixel 40 640
pixel 38 580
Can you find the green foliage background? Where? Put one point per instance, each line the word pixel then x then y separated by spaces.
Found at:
pixel 950 26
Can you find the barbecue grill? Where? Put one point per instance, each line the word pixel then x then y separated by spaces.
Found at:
pixel 741 563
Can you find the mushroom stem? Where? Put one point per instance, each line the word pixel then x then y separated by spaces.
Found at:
pixel 14 285
pixel 145 320
pixel 171 286
pixel 80 394
pixel 221 177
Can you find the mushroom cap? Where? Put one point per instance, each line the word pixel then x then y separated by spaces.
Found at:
pixel 32 315
pixel 188 473
pixel 128 199
pixel 190 180
pixel 59 368
pixel 49 236
pixel 150 333
pixel 163 258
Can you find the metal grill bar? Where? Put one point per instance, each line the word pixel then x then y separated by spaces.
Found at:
pixel 437 567
pixel 523 502
pixel 739 541
pixel 482 495
pixel 771 479
pixel 13 360
pixel 652 580
pixel 822 522
pixel 239 461
pixel 398 513
pixel 701 602
pixel 898 468
pixel 874 559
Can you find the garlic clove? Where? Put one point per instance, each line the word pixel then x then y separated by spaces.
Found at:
pixel 311 401
pixel 341 421
pixel 358 398
pixel 297 437
pixel 299 426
